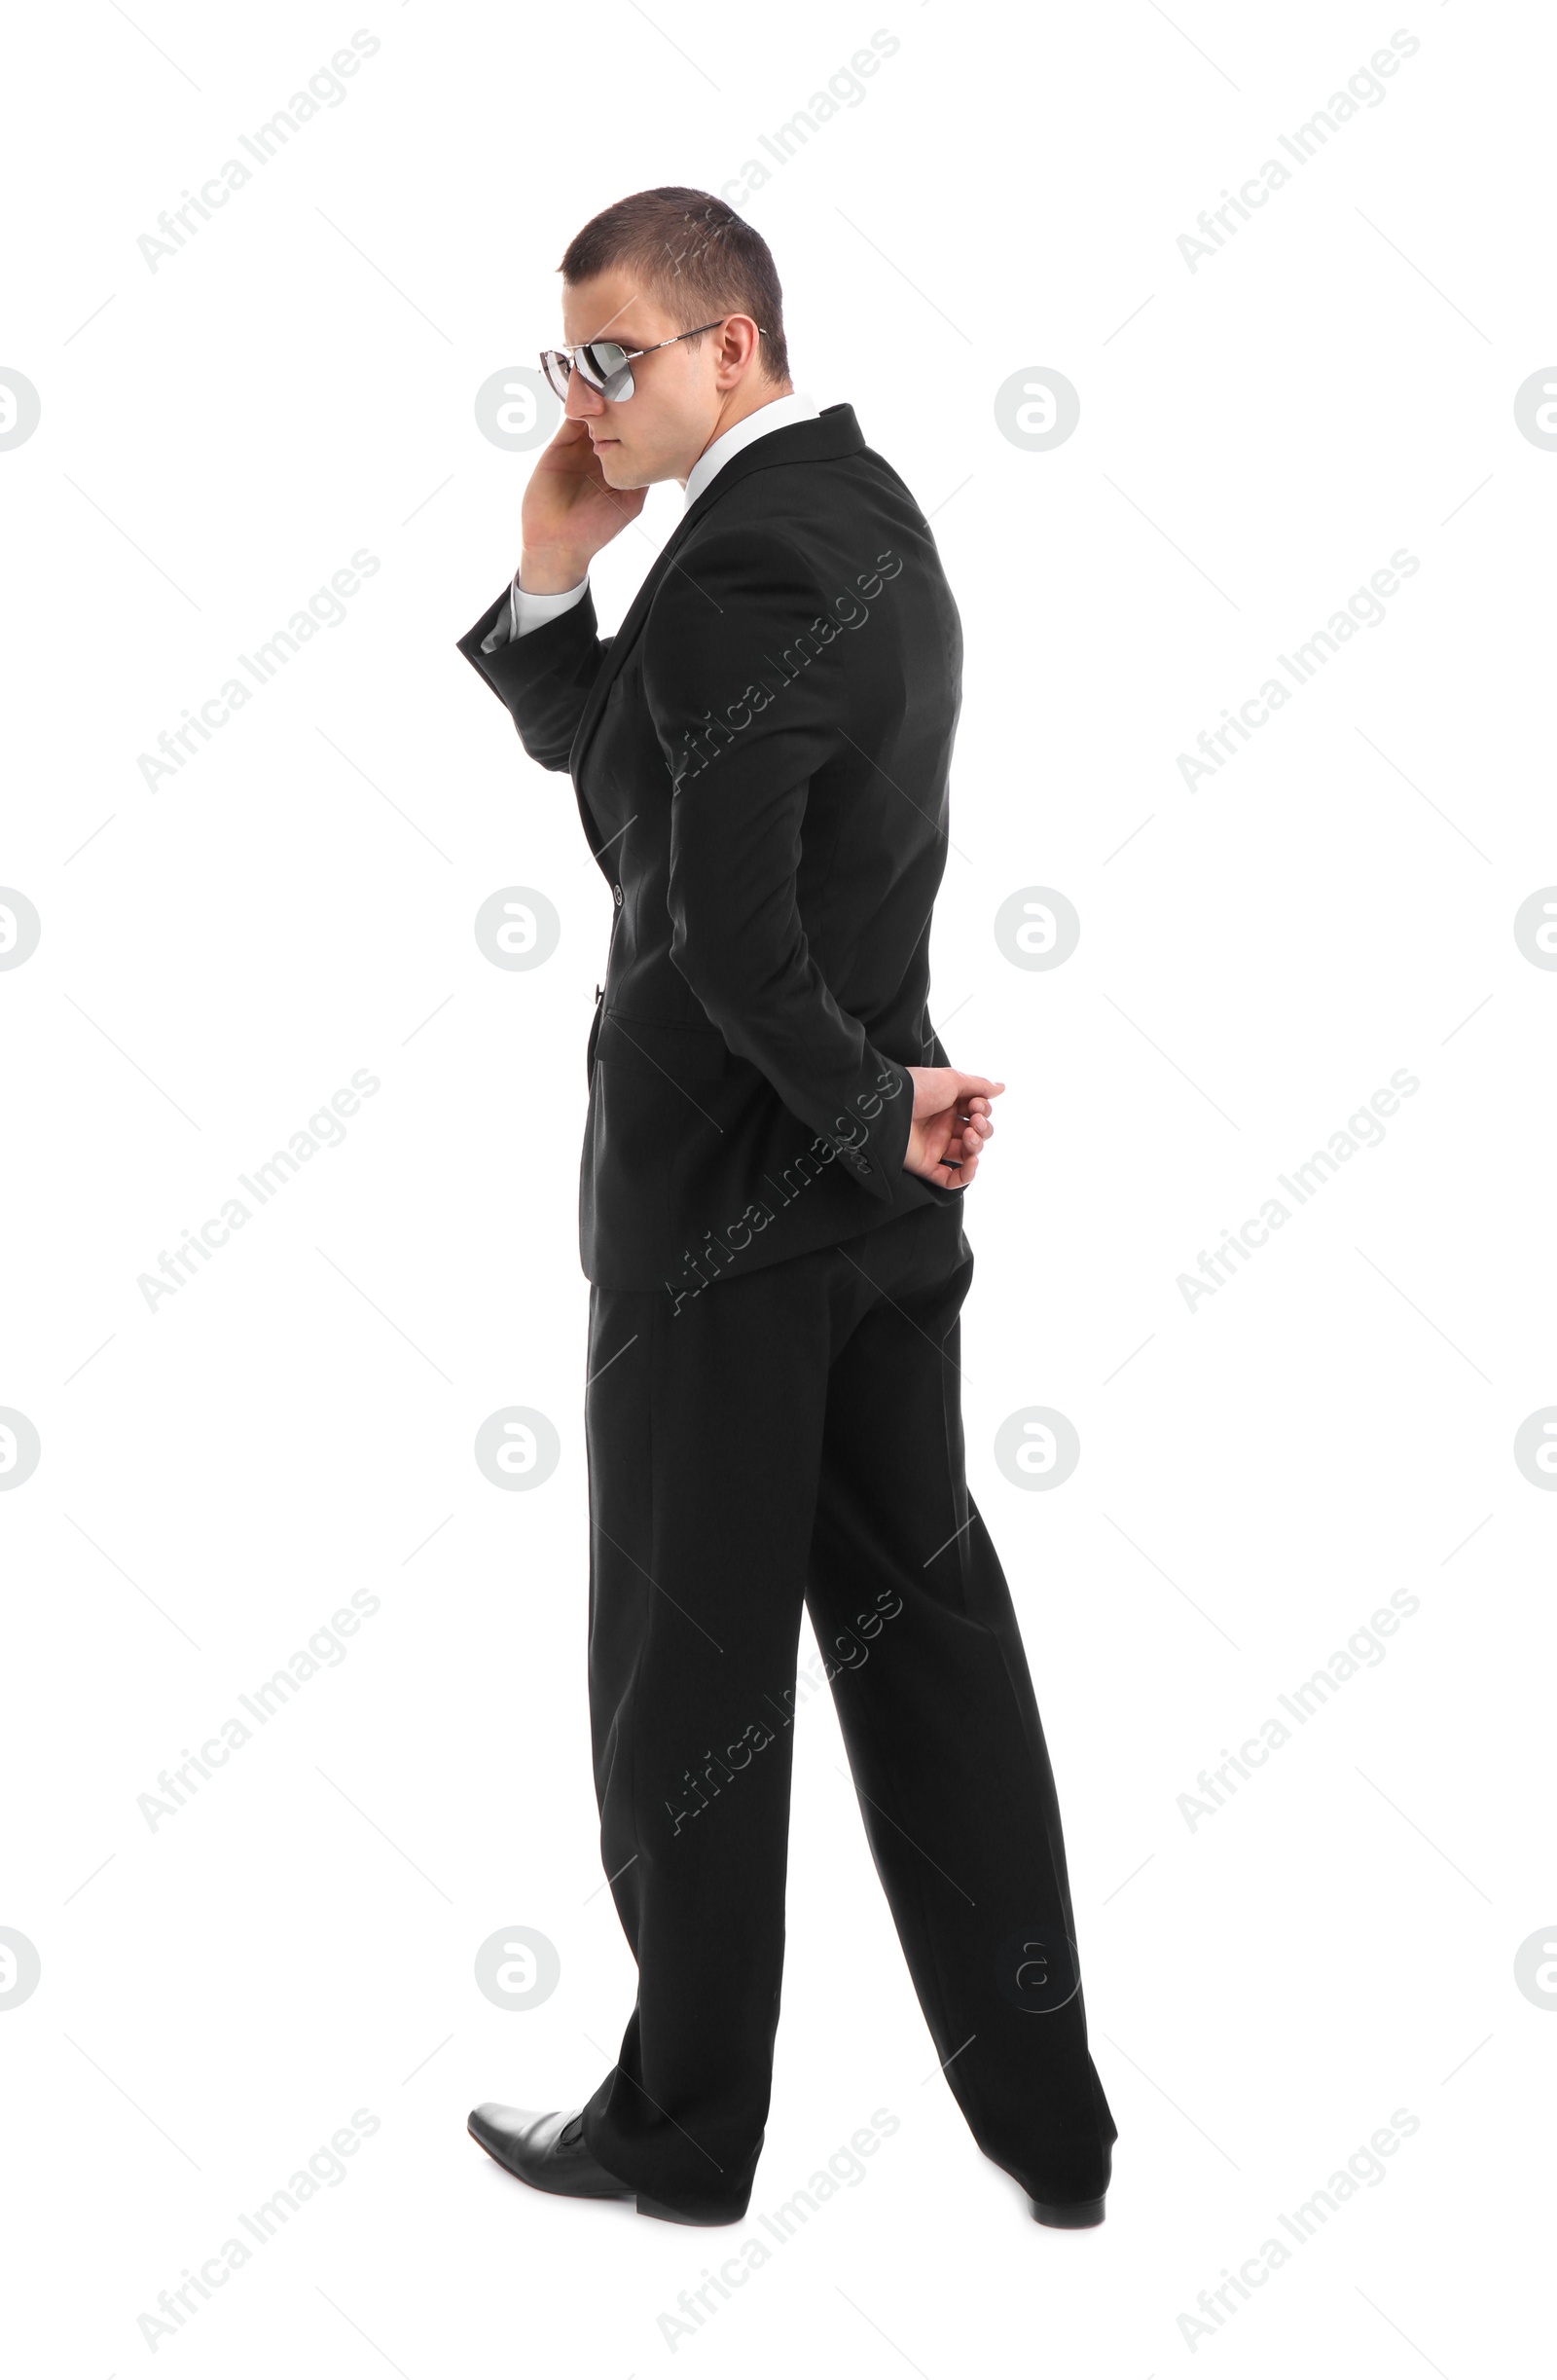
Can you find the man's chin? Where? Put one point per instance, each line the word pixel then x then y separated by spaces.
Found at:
pixel 621 470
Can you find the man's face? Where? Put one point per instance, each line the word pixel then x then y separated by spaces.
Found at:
pixel 678 394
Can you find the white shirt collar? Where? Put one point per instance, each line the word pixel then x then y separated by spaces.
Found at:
pixel 777 414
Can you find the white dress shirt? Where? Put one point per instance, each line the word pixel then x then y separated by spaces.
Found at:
pixel 526 611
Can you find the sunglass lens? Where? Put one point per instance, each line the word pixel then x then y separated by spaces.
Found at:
pixel 604 365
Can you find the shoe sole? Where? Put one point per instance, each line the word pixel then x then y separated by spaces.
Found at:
pixel 669 2214
pixel 1075 2214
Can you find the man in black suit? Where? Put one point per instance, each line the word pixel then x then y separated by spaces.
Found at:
pixel 770 1212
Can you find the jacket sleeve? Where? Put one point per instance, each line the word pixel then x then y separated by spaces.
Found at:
pixel 748 696
pixel 543 677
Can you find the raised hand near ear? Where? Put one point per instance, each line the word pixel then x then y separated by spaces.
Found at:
pixel 570 512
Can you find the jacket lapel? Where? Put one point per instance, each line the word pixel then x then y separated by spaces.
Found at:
pixel 834 433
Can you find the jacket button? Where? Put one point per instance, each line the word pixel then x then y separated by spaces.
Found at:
pixel 616 892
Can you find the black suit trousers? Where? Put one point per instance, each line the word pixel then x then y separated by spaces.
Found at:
pixel 796 1434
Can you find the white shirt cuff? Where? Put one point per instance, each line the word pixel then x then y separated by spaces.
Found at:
pixel 526 611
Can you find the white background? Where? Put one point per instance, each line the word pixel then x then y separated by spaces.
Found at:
pixel 1257 956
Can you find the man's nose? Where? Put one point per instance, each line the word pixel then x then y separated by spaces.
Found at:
pixel 583 401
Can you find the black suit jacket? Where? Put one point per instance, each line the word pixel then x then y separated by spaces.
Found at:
pixel 760 759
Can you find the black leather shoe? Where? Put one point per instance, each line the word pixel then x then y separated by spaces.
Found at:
pixel 1067 2215
pixel 548 2152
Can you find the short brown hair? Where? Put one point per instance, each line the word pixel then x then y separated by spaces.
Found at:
pixel 695 255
